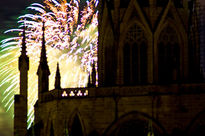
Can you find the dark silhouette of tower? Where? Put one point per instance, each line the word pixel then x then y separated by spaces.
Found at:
pixel 43 69
pixel 20 104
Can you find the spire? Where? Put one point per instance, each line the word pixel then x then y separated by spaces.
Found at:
pixel 43 69
pixel 58 78
pixel 89 83
pixel 93 75
pixel 23 51
pixel 43 59
pixel 20 101
pixel 23 59
pixel 43 51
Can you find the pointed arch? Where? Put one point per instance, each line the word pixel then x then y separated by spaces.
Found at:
pixel 75 125
pixel 197 125
pixel 170 8
pixel 132 15
pixel 76 128
pixel 170 17
pixel 134 123
pixel 135 56
pixel 134 7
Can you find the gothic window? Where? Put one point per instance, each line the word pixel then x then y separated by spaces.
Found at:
pixel 135 57
pixel 168 56
pixel 76 129
pixel 162 3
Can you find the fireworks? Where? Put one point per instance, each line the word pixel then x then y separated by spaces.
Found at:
pixel 71 39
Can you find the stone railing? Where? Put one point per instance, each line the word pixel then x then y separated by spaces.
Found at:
pixel 64 93
pixel 70 93
pixel 78 92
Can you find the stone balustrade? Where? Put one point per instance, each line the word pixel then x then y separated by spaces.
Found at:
pixel 141 90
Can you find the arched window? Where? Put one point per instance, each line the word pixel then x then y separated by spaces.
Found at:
pixel 76 129
pixel 135 57
pixel 168 56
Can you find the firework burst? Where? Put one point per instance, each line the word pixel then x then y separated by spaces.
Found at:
pixel 71 39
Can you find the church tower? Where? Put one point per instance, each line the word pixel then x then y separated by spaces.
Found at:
pixel 43 69
pixel 20 104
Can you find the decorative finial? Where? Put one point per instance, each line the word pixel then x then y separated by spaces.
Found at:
pixel 93 75
pixel 23 51
pixel 43 52
pixel 58 78
pixel 89 83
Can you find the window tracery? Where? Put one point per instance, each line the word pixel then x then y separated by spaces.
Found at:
pixel 135 56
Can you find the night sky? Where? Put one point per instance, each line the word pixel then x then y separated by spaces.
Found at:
pixel 9 11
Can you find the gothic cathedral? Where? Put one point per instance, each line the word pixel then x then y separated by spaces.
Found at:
pixel 149 77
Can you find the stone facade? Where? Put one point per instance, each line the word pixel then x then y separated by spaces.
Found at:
pixel 148 75
pixel 176 107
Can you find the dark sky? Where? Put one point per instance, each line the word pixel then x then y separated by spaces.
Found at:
pixel 9 11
